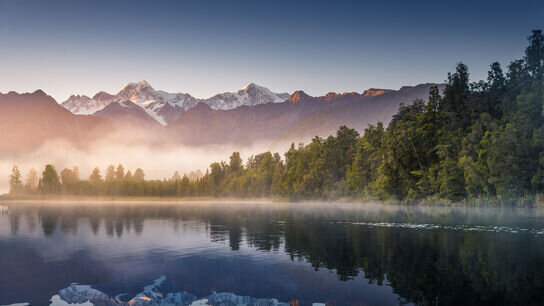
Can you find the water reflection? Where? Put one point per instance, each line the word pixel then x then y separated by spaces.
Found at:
pixel 377 254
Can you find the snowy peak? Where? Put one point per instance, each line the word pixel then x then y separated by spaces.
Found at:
pixel 262 93
pixel 140 92
pixel 83 105
pixel 254 89
pixel 160 104
pixel 250 95
pixel 250 86
pixel 138 85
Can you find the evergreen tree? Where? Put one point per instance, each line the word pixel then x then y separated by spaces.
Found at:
pixel 139 175
pixel 15 183
pixel 50 182
pixel 69 179
pixel 95 176
pixel 235 164
pixel 31 182
pixel 110 173
pixel 120 172
pixel 176 177
pixel 534 55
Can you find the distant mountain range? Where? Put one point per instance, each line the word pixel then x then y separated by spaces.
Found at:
pixel 253 114
pixel 298 119
pixel 165 107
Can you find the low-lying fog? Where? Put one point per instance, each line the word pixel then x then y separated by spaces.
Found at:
pixel 158 162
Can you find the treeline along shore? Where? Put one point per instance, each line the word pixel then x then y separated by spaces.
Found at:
pixel 475 141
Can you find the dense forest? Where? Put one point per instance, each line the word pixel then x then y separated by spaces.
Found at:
pixel 474 139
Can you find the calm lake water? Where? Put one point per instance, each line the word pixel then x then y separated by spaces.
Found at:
pixel 307 253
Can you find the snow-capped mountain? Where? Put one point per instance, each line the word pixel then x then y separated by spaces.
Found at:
pixel 165 107
pixel 250 95
pixel 83 105
pixel 154 101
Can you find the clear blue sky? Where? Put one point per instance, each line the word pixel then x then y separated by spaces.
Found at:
pixel 204 47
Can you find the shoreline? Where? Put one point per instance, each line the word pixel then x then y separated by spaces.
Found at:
pixel 528 201
pixel 131 199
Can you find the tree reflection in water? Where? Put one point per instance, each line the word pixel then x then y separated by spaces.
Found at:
pixel 438 266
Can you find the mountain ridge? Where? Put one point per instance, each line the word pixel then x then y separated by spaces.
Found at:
pixel 28 120
pixel 165 107
pixel 290 121
pixel 37 117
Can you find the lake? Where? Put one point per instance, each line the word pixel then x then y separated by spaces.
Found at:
pixel 269 253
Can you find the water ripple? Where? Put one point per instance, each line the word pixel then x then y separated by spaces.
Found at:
pixel 456 227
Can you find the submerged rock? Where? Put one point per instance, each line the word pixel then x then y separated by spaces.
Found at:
pixel 152 296
pixel 231 299
pixel 82 294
